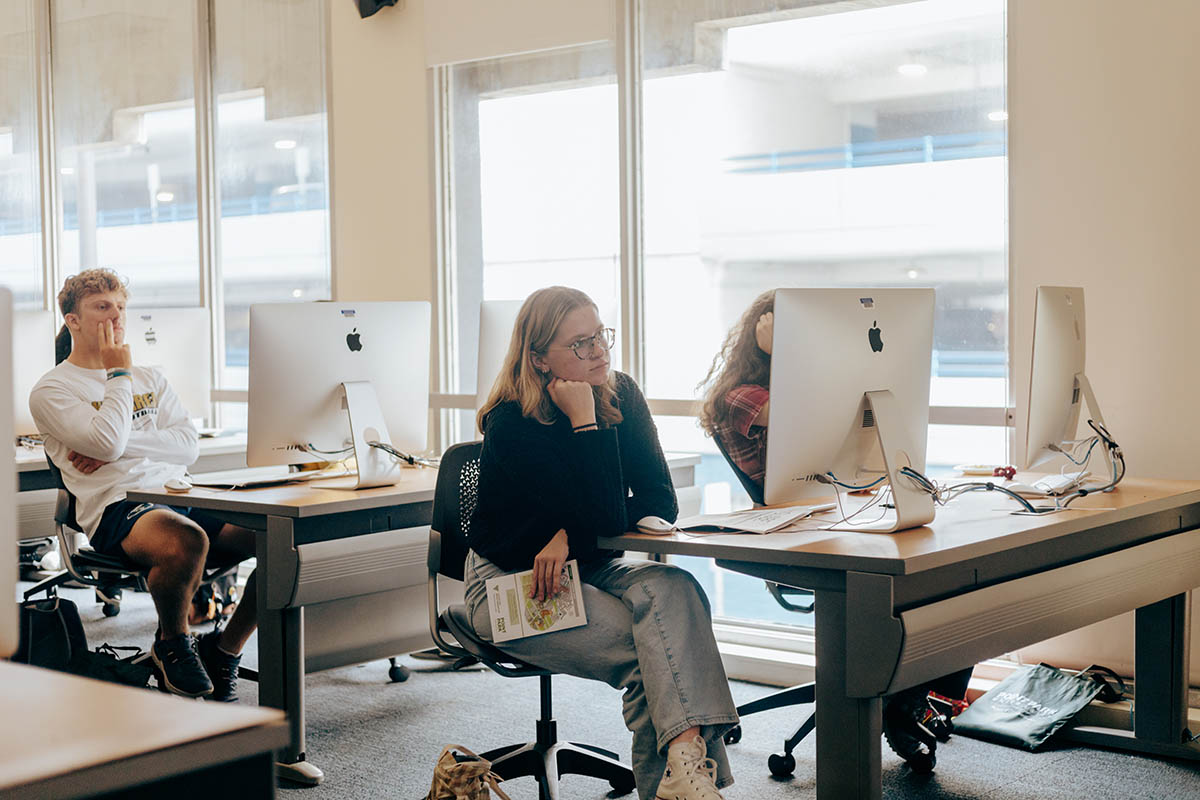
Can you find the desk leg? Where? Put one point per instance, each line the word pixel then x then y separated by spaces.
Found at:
pixel 1160 663
pixel 281 651
pixel 848 728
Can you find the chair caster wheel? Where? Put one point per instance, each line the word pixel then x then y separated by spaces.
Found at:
pixel 733 735
pixel 922 763
pixel 622 786
pixel 398 673
pixel 111 609
pixel 781 764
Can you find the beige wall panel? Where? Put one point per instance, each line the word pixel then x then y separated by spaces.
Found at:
pixel 1103 175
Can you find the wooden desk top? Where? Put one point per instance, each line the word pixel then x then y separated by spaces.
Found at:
pixel 57 724
pixel 31 459
pixel 301 499
pixel 975 524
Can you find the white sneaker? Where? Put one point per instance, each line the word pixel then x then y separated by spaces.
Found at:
pixel 689 774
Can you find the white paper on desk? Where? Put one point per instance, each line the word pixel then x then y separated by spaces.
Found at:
pixel 754 520
pixel 516 615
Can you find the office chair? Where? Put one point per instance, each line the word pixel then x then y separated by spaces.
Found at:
pixel 546 758
pixel 83 564
pixel 780 764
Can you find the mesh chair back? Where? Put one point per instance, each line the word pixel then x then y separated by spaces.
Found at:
pixel 753 489
pixel 454 499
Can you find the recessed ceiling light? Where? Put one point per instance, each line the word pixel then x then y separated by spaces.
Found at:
pixel 285 144
pixel 998 116
pixel 913 274
pixel 297 292
pixel 164 197
pixel 912 70
pixel 67 171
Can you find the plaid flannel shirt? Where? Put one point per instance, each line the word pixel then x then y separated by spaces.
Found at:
pixel 745 442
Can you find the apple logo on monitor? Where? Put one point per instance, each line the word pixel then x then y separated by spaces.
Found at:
pixel 354 341
pixel 874 335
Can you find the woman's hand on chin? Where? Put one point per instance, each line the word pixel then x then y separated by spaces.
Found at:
pixel 548 567
pixel 575 399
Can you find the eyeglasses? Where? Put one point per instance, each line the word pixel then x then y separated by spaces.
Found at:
pixel 586 348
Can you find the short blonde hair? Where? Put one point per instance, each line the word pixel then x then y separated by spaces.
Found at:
pixel 88 282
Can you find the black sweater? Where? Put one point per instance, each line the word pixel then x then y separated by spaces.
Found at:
pixel 535 479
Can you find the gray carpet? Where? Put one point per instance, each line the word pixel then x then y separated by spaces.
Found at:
pixel 376 739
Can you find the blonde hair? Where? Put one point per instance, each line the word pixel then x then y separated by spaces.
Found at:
pixel 739 361
pixel 76 288
pixel 519 381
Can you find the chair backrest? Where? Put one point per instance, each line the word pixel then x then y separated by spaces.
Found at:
pixel 454 500
pixel 753 489
pixel 64 508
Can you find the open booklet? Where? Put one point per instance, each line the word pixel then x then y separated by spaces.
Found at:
pixel 752 520
pixel 516 615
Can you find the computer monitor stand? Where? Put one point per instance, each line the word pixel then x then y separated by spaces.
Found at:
pixel 375 466
pixel 913 506
pixel 1084 386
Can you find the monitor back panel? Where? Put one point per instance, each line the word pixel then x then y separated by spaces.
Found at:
pixel 830 347
pixel 300 353
pixel 1059 354
pixel 8 487
pixel 33 356
pixel 176 340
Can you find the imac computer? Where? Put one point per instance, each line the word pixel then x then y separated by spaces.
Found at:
pixel 8 487
pixel 497 318
pixel 1057 383
pixel 176 341
pixel 32 357
pixel 850 398
pixel 328 379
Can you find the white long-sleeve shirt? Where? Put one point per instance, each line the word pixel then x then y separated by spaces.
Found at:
pixel 139 426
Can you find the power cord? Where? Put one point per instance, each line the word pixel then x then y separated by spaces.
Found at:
pixel 411 460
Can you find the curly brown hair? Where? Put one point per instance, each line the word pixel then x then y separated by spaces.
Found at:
pixel 75 288
pixel 739 361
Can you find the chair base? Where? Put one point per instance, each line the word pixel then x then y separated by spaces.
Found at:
pixel 548 763
pixel 780 764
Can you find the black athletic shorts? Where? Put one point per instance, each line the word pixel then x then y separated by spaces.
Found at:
pixel 118 519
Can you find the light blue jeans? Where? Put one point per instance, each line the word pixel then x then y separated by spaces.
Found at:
pixel 649 632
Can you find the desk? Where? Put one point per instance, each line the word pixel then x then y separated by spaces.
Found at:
pixel 356 558
pixel 894 610
pixel 69 737
pixel 216 453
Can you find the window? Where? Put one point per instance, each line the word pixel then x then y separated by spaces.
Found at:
pixel 781 144
pixel 271 149
pixel 125 129
pixel 20 221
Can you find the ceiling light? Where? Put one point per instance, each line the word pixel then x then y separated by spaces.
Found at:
pixel 913 274
pixel 998 116
pixel 164 197
pixel 912 70
pixel 285 144
pixel 67 170
pixel 297 292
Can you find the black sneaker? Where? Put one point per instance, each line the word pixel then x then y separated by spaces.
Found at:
pixel 221 667
pixel 905 731
pixel 179 669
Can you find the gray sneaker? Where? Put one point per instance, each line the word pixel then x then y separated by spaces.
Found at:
pixel 690 775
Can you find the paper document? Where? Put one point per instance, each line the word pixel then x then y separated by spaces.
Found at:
pixel 516 615
pixel 753 520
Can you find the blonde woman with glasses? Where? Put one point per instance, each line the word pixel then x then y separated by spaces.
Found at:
pixel 571 454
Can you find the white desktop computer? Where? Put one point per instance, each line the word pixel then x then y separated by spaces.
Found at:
pixel 8 486
pixel 328 379
pixel 850 398
pixel 176 341
pixel 1058 384
pixel 32 357
pixel 496 321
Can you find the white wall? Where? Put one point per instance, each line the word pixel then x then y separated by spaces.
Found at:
pixel 380 164
pixel 1103 176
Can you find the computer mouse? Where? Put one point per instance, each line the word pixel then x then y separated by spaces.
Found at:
pixel 656 526
pixel 177 485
